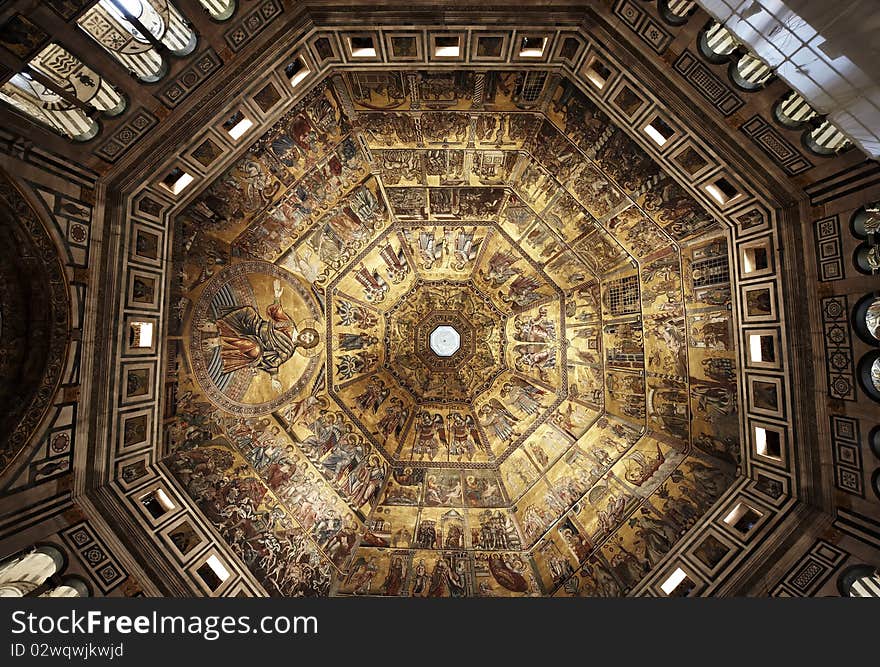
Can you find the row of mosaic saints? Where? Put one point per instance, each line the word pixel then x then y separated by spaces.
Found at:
pixel 637 442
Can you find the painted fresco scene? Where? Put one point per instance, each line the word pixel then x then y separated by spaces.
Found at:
pixel 435 343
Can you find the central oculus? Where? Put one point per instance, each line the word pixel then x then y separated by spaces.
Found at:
pixel 445 341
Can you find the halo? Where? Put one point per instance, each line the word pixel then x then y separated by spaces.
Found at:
pixel 310 324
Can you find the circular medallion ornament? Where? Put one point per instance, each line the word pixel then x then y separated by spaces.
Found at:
pixel 255 338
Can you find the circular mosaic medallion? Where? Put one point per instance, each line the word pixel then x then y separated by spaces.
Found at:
pixel 254 336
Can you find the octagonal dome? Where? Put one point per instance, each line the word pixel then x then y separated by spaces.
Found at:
pixel 573 406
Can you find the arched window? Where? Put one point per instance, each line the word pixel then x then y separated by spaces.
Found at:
pixel 869 374
pixel 750 72
pixel 70 587
pixel 865 221
pixel 676 12
pixel 793 111
pixel 874 441
pixel 867 258
pixel 32 97
pixel 859 581
pixel 138 33
pixel 26 572
pixel 826 139
pixel 36 572
pixel 866 318
pixel 85 83
pixel 872 319
pixel 717 43
pixel 219 10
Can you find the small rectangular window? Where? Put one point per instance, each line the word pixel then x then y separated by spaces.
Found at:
pixel 767 443
pixel 678 584
pixel 598 74
pixel 362 47
pixel 659 130
pixel 213 572
pixel 532 47
pixel 743 518
pixel 296 71
pixel 570 48
pixel 176 181
pixel 721 190
pixel 447 47
pixel 157 503
pixel 762 348
pixel 237 124
pixel 755 259
pixel 141 334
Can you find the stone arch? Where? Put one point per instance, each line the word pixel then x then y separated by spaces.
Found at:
pixel 34 321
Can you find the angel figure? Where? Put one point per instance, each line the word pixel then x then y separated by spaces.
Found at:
pixel 500 269
pixel 430 249
pixel 394 419
pixel 494 416
pixel 429 430
pixel 465 249
pixel 373 396
pixel 463 435
pixel 522 291
pixel 522 395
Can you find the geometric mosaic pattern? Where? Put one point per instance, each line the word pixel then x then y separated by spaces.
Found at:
pixel 101 564
pixel 829 249
pixel 847 455
pixel 648 29
pixel 707 84
pixel 838 348
pixel 772 143
pixel 808 575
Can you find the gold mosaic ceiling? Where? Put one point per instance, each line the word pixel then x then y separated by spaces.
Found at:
pixel 589 414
